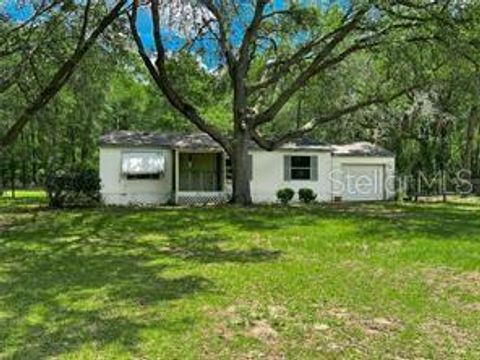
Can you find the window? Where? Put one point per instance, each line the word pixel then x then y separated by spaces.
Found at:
pixel 143 165
pixel 300 168
pixel 143 176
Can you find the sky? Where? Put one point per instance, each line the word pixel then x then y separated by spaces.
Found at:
pixel 22 10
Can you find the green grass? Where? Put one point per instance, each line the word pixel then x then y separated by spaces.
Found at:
pixel 351 281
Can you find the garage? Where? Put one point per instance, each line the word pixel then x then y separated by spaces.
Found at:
pixel 363 182
pixel 362 172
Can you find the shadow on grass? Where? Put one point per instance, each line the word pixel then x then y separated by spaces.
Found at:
pixel 59 295
pixel 440 222
pixel 66 277
pixel 93 278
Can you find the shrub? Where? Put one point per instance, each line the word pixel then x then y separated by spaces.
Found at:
pixel 73 188
pixel 400 195
pixel 285 195
pixel 307 195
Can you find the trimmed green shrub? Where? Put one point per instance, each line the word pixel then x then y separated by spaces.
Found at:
pixel 73 188
pixel 307 195
pixel 285 195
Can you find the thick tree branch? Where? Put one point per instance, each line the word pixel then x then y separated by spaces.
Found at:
pixel 40 11
pixel 222 37
pixel 83 30
pixel 162 80
pixel 269 144
pixel 249 37
pixel 283 66
pixel 313 69
pixel 60 78
pixel 323 61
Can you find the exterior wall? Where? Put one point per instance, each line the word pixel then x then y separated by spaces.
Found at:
pixel 117 190
pixel 388 177
pixel 268 175
pixel 267 178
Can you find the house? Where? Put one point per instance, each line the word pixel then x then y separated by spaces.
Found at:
pixel 150 168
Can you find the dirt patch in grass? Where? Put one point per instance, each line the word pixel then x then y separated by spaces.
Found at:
pixel 455 287
pixel 341 331
pixel 263 331
pixel 4 224
pixel 444 279
pixel 447 337
pixel 252 322
pixel 349 320
pixel 334 330
pixel 472 307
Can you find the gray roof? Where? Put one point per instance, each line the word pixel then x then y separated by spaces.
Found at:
pixel 164 140
pixel 361 149
pixel 202 141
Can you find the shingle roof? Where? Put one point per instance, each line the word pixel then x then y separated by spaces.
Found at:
pixel 306 143
pixel 361 149
pixel 165 140
pixel 202 141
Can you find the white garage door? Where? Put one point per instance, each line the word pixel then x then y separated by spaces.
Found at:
pixel 363 182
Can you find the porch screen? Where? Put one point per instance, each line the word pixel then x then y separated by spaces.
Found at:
pixel 143 163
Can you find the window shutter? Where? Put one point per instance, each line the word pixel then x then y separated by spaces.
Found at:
pixel 250 166
pixel 314 168
pixel 286 167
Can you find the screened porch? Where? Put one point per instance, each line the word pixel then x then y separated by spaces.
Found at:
pixel 200 177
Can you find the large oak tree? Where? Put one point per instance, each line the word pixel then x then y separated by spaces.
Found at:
pixel 270 52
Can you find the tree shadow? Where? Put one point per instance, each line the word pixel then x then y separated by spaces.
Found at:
pixel 67 277
pixel 50 282
pixel 439 222
pixel 93 278
pixel 205 249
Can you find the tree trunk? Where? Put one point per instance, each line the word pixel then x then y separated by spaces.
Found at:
pixel 24 146
pixel 3 173
pixel 471 138
pixel 241 170
pixel 13 169
pixel 33 154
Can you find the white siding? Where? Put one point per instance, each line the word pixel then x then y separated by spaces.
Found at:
pixel 385 179
pixel 117 190
pixel 268 175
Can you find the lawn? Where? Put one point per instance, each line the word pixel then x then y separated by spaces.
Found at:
pixel 348 281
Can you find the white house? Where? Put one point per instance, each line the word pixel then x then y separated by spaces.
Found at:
pixel 148 169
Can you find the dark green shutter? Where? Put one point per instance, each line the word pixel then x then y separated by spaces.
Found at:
pixel 286 168
pixel 314 168
pixel 250 166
